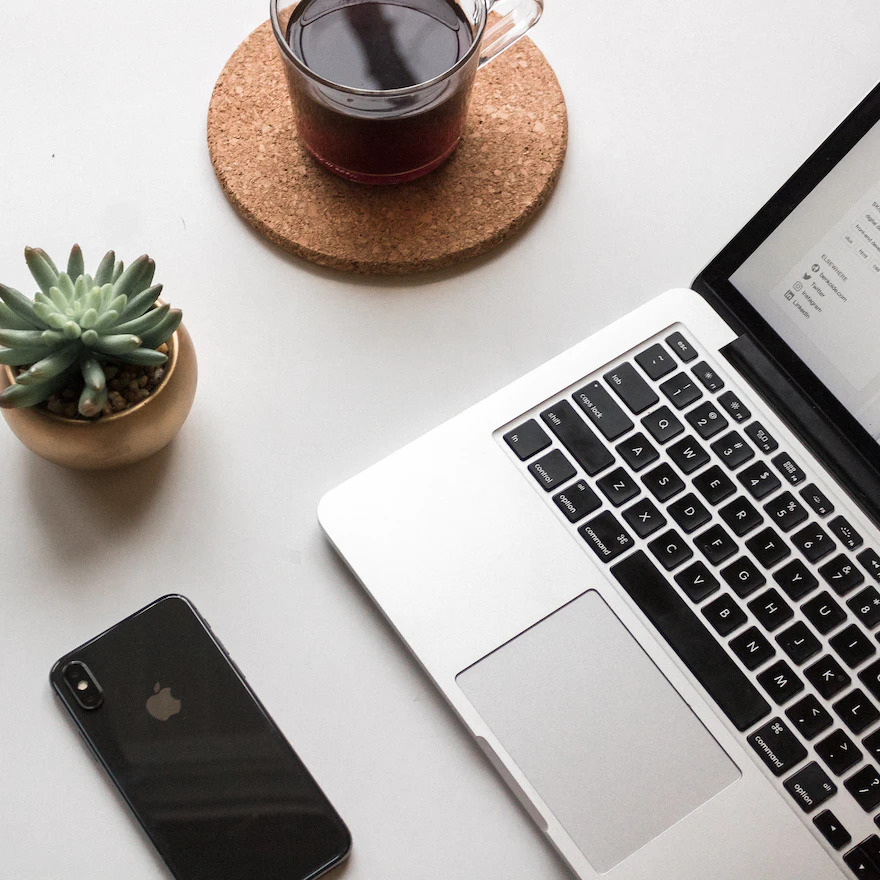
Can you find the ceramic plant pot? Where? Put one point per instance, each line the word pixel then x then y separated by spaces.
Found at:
pixel 119 439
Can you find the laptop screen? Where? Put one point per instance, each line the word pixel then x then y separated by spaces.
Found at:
pixel 816 280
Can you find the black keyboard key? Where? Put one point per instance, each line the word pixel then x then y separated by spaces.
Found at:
pixel 799 642
pixel 795 579
pixel 644 517
pixel 831 829
pixel 602 410
pixel 761 437
pixel 670 549
pixel 823 612
pixel 706 420
pixel 663 482
pixel 786 511
pixel 681 346
pixel 734 407
pixel 715 544
pixel 838 752
pixel 741 516
pixel 714 485
pixel 816 499
pixel 631 388
pixel 688 455
pixel 697 648
pixel 656 361
pixel 724 614
pixel 606 536
pixel 709 379
pixel 870 678
pixel 813 542
pixel 845 533
pixel 865 605
pixel 697 581
pixel 758 480
pixel 618 486
pixel 768 547
pixel 733 450
pixel 789 469
pixel 810 786
pixel 777 746
pixel 871 562
pixel 771 610
pixel 577 501
pixel 752 648
pixel 864 786
pixel 637 451
pixel 743 576
pixel 841 574
pixel 872 745
pixel 780 681
pixel 551 470
pixel 856 711
pixel 864 860
pixel 852 646
pixel 809 717
pixel 681 390
pixel 527 440
pixel 662 425
pixel 827 676
pixel 577 437
pixel 689 512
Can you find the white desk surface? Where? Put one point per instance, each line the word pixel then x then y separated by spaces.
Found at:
pixel 684 117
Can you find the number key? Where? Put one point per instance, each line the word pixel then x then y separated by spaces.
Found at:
pixel 706 420
pixel 786 511
pixel 866 606
pixel 759 480
pixel 813 542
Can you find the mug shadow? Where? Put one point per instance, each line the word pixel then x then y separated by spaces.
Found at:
pixel 81 512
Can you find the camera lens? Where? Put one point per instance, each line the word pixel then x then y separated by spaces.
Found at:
pixel 82 684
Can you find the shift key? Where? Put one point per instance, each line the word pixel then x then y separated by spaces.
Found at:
pixel 603 411
pixel 577 437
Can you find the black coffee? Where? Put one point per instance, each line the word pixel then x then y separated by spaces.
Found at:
pixel 379 47
pixel 373 45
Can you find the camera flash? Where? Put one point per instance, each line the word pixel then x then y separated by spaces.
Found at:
pixel 82 685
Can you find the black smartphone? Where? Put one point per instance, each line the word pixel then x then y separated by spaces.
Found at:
pixel 206 771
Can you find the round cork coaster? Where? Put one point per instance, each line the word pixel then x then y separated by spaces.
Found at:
pixel 502 171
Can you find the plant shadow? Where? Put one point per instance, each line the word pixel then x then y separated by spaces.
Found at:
pixel 80 512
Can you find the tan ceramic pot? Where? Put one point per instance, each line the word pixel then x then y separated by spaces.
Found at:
pixel 116 440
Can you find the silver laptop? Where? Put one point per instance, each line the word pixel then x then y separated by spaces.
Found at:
pixel 645 575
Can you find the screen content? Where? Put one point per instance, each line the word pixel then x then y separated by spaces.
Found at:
pixel 816 281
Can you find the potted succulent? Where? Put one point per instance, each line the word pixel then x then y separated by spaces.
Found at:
pixel 96 372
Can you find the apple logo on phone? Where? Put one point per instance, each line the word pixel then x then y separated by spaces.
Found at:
pixel 162 705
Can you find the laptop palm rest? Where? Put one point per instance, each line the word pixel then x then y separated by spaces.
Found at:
pixel 598 731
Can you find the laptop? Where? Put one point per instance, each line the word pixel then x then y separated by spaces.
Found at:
pixel 645 575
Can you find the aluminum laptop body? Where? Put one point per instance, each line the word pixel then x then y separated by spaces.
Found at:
pixel 638 756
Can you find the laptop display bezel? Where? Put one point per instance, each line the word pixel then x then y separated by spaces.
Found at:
pixel 715 285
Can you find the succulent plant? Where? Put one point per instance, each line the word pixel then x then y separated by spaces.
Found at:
pixel 77 323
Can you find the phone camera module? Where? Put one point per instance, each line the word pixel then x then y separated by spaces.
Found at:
pixel 83 685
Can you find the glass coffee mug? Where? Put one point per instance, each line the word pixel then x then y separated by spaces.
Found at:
pixel 380 88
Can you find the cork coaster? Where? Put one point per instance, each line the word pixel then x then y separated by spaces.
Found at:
pixel 502 171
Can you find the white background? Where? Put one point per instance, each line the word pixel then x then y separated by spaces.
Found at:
pixel 684 118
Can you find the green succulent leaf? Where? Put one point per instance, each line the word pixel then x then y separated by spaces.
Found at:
pixel 45 272
pixel 136 277
pixel 93 374
pixel 29 395
pixel 75 265
pixel 11 321
pixel 144 357
pixel 118 269
pixel 52 337
pixel 104 274
pixel 14 338
pixel 50 366
pixel 59 300
pixel 145 322
pixel 139 304
pixel 21 355
pixel 92 401
pixel 105 321
pixel 112 345
pixel 163 331
pixel 20 304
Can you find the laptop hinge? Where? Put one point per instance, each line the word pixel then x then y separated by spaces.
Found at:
pixel 827 443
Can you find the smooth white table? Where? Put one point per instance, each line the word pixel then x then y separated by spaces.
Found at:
pixel 684 117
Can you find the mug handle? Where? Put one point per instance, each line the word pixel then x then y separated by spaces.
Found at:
pixel 517 16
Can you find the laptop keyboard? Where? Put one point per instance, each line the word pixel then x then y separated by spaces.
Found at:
pixel 761 584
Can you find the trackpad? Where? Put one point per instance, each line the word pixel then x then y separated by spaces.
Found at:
pixel 597 729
